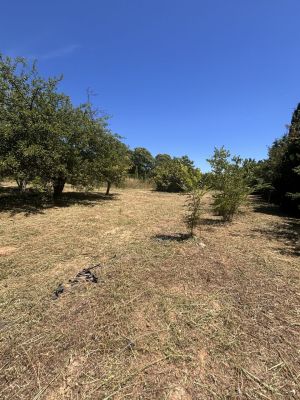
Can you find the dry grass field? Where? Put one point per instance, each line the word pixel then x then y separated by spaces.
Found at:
pixel 215 317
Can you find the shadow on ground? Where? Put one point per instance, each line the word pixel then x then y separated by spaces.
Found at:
pixel 212 222
pixel 177 237
pixel 33 203
pixel 287 231
pixel 267 208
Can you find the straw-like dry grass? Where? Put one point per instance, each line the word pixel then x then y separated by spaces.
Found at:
pixel 168 319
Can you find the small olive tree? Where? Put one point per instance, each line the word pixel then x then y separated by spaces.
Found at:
pixel 230 180
pixel 194 206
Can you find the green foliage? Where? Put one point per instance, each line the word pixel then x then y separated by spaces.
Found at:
pixel 46 141
pixel 230 179
pixel 27 107
pixel 194 207
pixel 175 175
pixel 287 182
pixel 278 177
pixel 162 158
pixel 227 202
pixel 142 162
pixel 110 163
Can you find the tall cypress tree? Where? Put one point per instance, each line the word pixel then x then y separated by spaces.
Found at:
pixel 288 182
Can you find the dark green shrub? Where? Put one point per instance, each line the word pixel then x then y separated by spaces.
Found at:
pixel 231 182
pixel 175 176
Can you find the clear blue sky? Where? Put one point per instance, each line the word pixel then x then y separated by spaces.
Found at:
pixel 177 76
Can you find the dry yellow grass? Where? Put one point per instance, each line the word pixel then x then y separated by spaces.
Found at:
pixel 168 319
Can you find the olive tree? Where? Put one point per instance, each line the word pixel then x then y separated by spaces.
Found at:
pixel 45 140
pixel 108 163
pixel 194 208
pixel 28 119
pixel 230 181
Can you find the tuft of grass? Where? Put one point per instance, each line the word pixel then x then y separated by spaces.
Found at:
pixel 134 183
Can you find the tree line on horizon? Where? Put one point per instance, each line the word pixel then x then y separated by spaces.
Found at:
pixel 46 141
pixel 277 178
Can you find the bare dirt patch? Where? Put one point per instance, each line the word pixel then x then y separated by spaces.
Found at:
pixel 178 393
pixel 7 250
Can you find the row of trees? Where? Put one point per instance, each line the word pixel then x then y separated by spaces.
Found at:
pixel 46 141
pixel 277 178
pixel 170 174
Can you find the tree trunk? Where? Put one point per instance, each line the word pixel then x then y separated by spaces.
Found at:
pixel 58 186
pixel 108 188
pixel 21 185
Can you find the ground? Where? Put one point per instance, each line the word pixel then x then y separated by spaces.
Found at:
pixel 215 317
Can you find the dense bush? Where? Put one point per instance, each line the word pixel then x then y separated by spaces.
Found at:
pixel 228 201
pixel 175 175
pixel 230 180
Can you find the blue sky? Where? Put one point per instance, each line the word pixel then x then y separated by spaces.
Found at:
pixel 177 77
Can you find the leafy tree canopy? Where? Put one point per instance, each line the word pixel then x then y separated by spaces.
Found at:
pixel 45 140
pixel 142 162
pixel 279 175
pixel 176 175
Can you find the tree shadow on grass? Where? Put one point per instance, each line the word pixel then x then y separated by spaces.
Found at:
pixel 287 231
pixel 287 234
pixel 263 207
pixel 34 203
pixel 212 222
pixel 176 237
